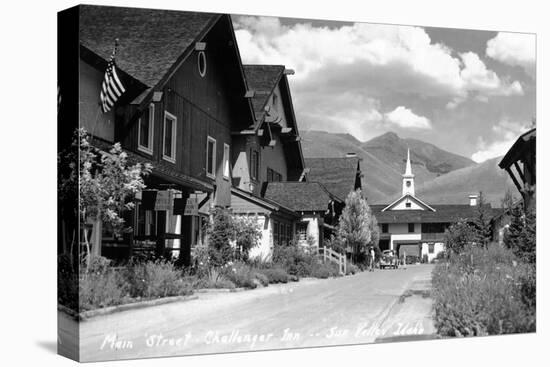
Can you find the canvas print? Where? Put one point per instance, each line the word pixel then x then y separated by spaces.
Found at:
pixel 233 183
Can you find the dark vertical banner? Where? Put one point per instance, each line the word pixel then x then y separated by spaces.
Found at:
pixel 68 232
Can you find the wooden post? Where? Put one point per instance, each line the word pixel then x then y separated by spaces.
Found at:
pixel 324 254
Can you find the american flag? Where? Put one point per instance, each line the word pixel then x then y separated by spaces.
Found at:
pixel 112 87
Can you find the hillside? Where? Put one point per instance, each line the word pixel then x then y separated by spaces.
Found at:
pixel 440 176
pixel 454 187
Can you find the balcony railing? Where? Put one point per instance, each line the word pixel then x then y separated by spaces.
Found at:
pixel 439 237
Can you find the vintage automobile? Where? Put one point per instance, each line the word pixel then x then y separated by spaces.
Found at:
pixel 388 259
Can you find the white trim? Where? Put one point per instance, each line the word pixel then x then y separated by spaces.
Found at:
pixel 171 158
pixel 212 159
pixel 413 198
pixel 226 160
pixel 151 117
pixel 202 55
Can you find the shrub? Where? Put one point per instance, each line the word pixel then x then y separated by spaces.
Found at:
pixel 275 275
pixel 294 259
pixel 241 275
pixel 484 291
pixel 67 283
pixel 324 270
pixel 261 278
pixel 155 279
pixel 101 285
pixel 247 234
pixel 351 269
pixel 220 234
pixel 214 278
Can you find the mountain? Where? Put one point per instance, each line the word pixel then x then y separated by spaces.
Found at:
pixel 454 187
pixel 440 176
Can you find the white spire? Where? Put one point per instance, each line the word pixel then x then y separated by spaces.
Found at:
pixel 408 177
pixel 408 169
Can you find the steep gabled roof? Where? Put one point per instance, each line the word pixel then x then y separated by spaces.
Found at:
pixel 410 197
pixel 443 214
pixel 338 175
pixel 262 79
pixel 518 148
pixel 150 41
pixel 299 196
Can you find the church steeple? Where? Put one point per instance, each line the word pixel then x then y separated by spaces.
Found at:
pixel 408 177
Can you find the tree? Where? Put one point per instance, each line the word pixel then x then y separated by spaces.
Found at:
pixel 247 234
pixel 107 186
pixel 482 222
pixel 220 234
pixel 458 236
pixel 521 235
pixel 355 226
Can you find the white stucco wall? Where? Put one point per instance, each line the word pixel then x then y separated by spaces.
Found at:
pixel 265 249
pixel 438 247
pixel 412 237
pixel 312 230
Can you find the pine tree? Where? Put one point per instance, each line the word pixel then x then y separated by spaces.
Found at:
pixel 482 222
pixel 520 236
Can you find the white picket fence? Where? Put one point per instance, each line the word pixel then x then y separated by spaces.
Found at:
pixel 335 257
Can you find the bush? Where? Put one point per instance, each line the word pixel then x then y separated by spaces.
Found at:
pixel 325 270
pixel 214 278
pixel 484 291
pixel 155 279
pixel 294 259
pixel 67 283
pixel 241 275
pixel 351 269
pixel 275 275
pixel 101 285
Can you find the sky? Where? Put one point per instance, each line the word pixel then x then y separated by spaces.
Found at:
pixel 470 92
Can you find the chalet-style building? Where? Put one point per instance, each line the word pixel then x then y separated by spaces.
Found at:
pixel 268 150
pixel 185 94
pixel 413 227
pixel 340 175
pixel 520 163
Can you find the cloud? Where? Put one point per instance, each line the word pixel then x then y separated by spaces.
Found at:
pixel 516 49
pixel 404 117
pixel 505 134
pixel 373 59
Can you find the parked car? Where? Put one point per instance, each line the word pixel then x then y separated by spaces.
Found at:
pixel 388 259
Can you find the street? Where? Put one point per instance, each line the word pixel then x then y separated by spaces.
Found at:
pixel 370 306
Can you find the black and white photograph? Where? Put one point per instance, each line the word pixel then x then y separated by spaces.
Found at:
pixel 274 183
pixel 241 183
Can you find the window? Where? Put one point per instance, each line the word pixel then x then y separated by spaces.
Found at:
pixel 275 233
pixel 211 157
pixel 301 231
pixel 145 130
pixel 169 137
pixel 431 248
pixel 226 161
pixel 408 205
pixel 254 164
pixel 273 176
pixel 275 101
pixel 408 183
pixel 384 227
pixel 411 227
pixel 288 234
pixel 201 60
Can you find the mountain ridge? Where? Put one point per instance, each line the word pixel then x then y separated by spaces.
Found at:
pixel 383 163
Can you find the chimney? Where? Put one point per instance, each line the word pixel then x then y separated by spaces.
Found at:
pixel 473 200
pixel 350 155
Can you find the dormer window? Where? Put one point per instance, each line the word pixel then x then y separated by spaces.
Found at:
pixel 145 130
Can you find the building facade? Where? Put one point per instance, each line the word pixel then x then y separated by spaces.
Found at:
pixel 412 227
